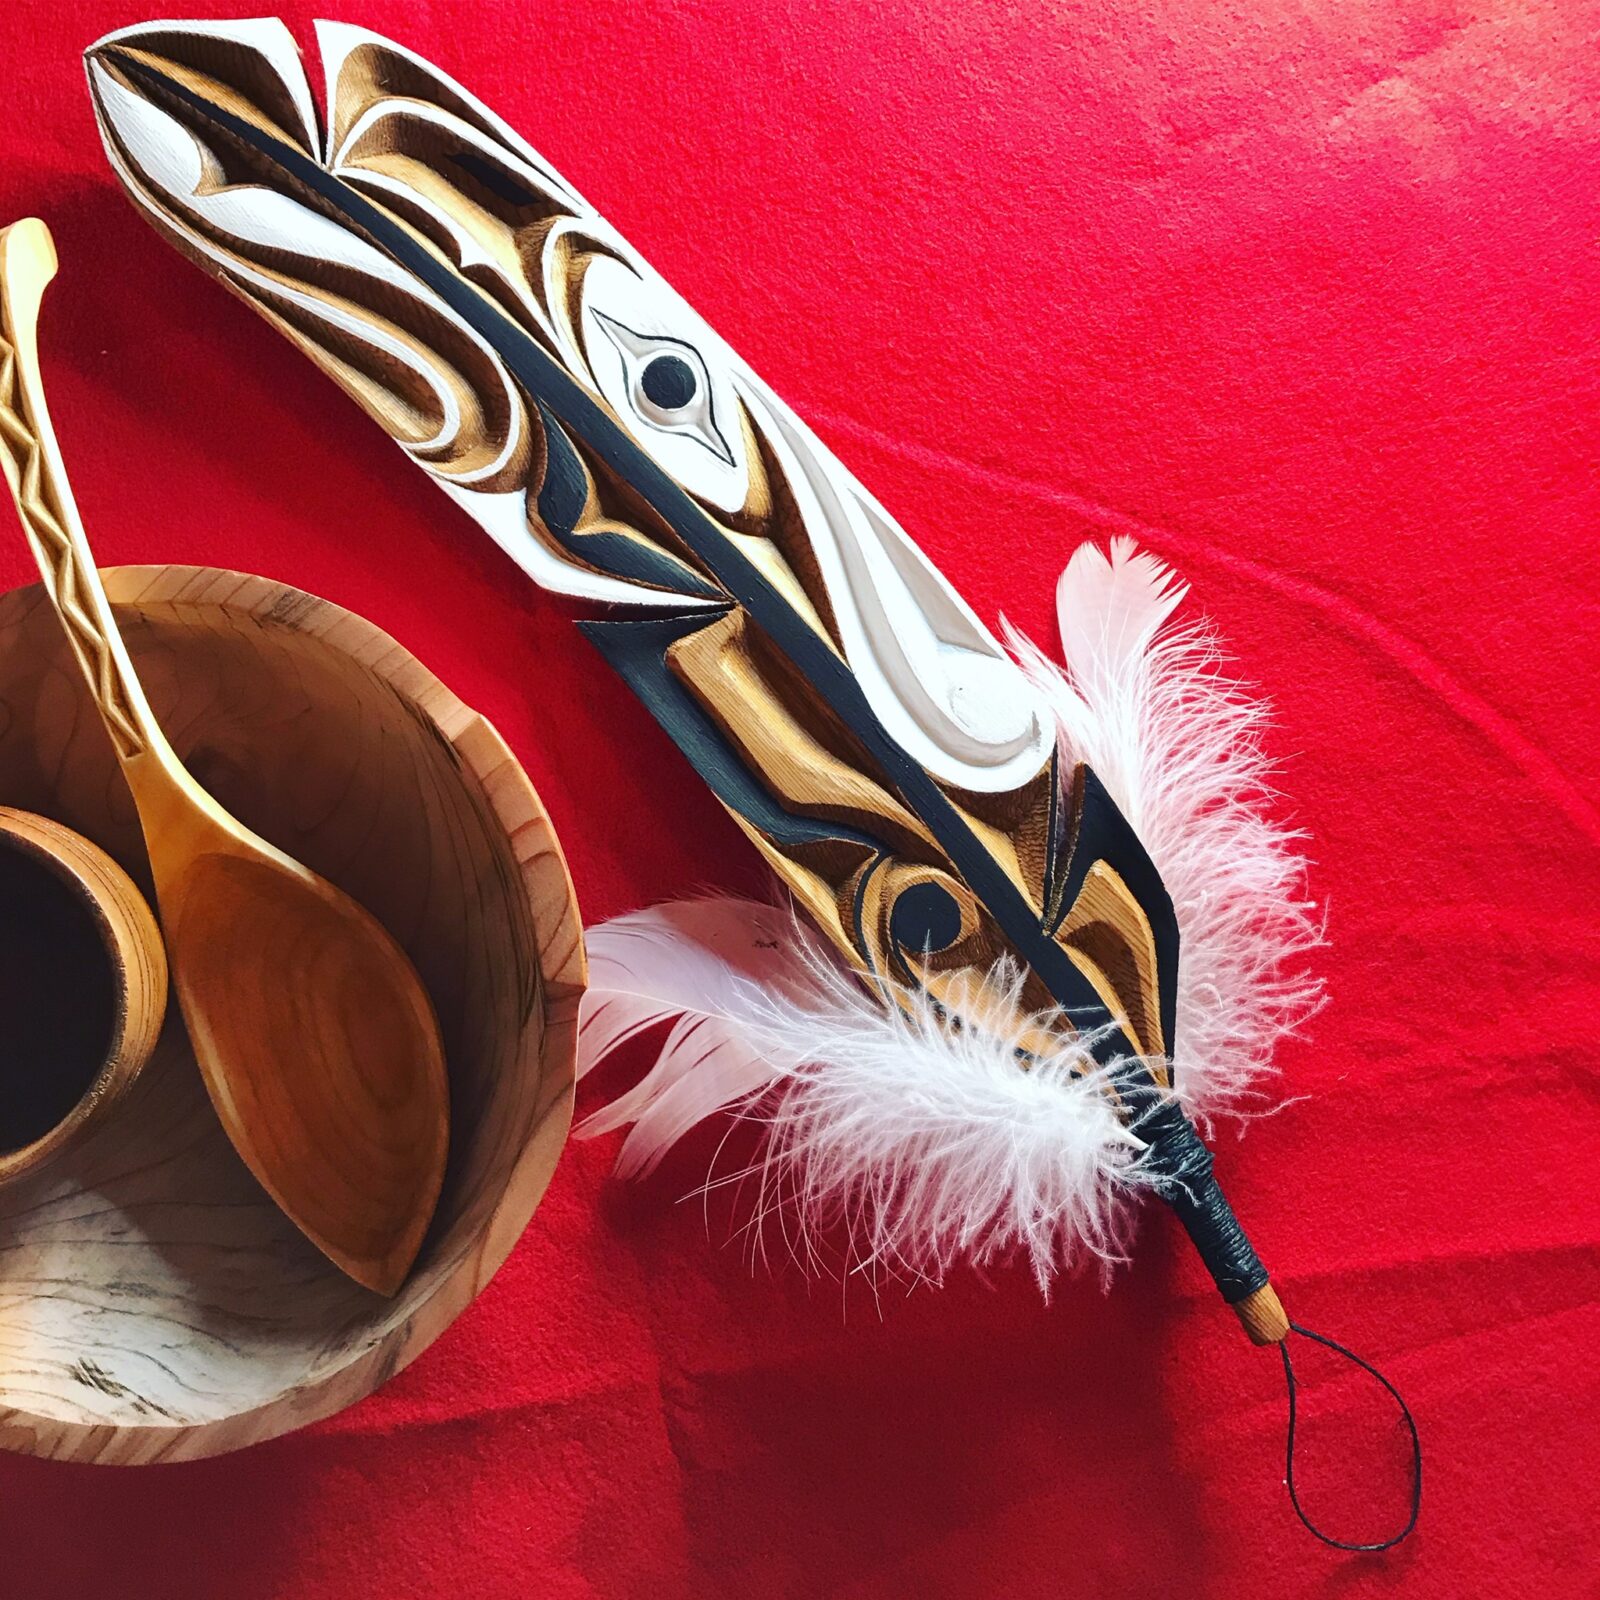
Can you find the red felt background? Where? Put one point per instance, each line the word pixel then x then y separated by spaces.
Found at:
pixel 1303 295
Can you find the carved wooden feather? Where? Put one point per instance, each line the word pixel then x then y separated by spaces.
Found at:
pixel 879 747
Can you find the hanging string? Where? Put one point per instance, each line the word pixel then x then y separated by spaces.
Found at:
pixel 1405 1416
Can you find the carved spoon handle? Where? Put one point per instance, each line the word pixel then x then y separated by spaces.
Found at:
pixel 31 461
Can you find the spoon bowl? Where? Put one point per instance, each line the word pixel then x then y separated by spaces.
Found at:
pixel 269 955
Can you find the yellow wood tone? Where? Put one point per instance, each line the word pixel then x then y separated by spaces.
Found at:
pixel 1263 1316
pixel 763 715
pixel 138 968
pixel 307 723
pixel 1108 937
pixel 313 1031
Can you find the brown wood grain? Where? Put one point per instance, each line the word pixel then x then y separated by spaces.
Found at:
pixel 1262 1316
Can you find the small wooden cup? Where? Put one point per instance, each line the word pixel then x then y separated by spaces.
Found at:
pixel 83 987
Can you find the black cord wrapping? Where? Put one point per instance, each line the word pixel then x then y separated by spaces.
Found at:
pixel 1181 1166
pixel 1405 1416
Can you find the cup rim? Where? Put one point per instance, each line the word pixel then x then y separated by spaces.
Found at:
pixel 127 930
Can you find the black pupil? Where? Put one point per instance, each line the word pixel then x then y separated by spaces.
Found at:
pixel 925 918
pixel 668 382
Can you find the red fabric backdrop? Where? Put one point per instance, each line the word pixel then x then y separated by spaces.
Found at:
pixel 1303 295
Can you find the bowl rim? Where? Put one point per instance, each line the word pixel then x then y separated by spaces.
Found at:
pixel 512 800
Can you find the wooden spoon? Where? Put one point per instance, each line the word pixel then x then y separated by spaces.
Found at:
pixel 315 1037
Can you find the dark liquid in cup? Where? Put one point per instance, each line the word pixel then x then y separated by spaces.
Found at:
pixel 57 997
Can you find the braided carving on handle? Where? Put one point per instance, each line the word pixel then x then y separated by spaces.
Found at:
pixel 39 505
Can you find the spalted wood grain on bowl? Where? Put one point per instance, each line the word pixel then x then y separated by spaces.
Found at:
pixel 154 1304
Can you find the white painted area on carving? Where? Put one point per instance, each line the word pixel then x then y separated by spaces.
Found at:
pixel 337 40
pixel 468 251
pixel 167 155
pixel 504 517
pixel 937 679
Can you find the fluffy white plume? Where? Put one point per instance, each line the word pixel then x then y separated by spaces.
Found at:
pixel 926 1144
pixel 927 1141
pixel 711 967
pixel 924 1139
pixel 1177 744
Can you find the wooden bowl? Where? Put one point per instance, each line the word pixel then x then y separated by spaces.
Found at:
pixel 197 1318
pixel 84 976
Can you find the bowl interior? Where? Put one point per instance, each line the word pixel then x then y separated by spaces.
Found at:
pixel 146 1279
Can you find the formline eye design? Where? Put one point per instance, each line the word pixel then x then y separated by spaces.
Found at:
pixel 668 384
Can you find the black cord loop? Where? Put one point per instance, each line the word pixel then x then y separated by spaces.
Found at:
pixel 1405 1415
